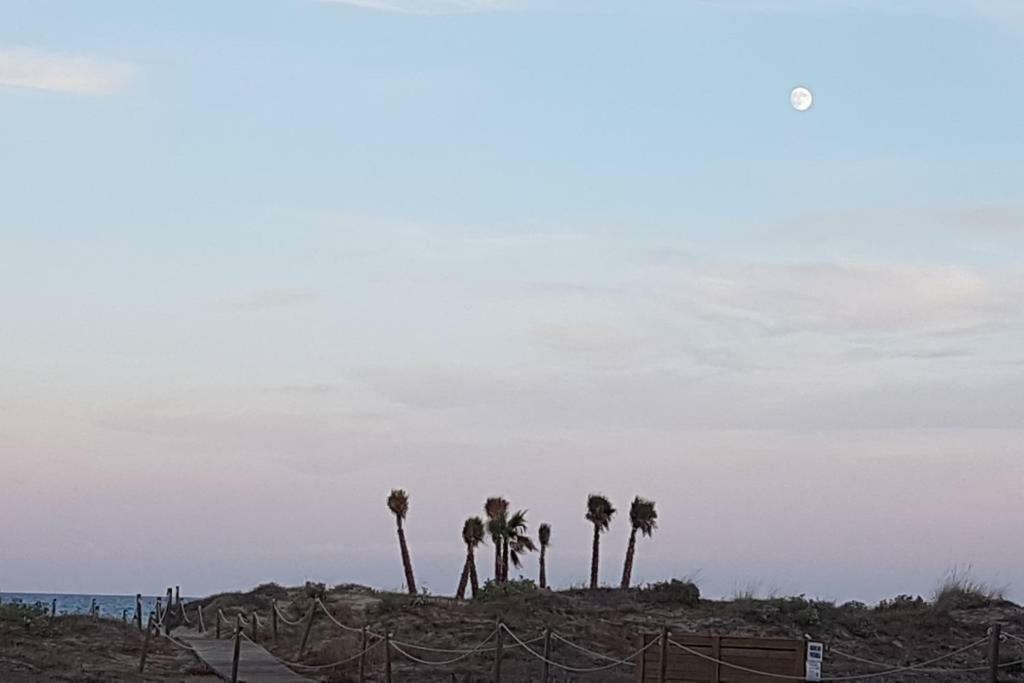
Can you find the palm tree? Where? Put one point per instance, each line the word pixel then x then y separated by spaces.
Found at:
pixel 544 536
pixel 398 503
pixel 496 509
pixel 472 536
pixel 515 543
pixel 644 519
pixel 599 513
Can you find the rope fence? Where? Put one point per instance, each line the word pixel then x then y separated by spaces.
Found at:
pixel 494 644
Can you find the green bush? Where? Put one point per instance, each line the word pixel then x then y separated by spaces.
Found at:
pixel 498 591
pixel 902 602
pixel 19 612
pixel 675 592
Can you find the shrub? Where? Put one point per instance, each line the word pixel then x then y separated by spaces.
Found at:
pixel 315 591
pixel 902 602
pixel 496 591
pixel 19 612
pixel 676 592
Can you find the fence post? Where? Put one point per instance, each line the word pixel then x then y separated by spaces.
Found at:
pixel 642 664
pixel 124 615
pixel 218 624
pixel 170 598
pixel 273 618
pixel 309 627
pixel 138 610
pixel 362 657
pixel 994 635
pixel 53 612
pixel 202 623
pixel 93 610
pixel 498 649
pixel 387 657
pixel 177 595
pixel 238 649
pixel 547 656
pixel 255 625
pixel 663 664
pixel 145 644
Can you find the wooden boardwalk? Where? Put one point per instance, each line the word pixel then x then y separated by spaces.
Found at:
pixel 255 665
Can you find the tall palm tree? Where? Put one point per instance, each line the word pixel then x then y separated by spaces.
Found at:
pixel 599 513
pixel 515 543
pixel 398 503
pixel 496 509
pixel 644 519
pixel 544 536
pixel 472 536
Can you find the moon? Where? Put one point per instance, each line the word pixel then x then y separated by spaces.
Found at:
pixel 801 98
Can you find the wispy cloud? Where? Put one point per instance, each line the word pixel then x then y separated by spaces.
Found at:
pixel 22 67
pixel 429 7
pixel 268 299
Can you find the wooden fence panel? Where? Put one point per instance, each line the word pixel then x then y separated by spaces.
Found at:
pixel 780 656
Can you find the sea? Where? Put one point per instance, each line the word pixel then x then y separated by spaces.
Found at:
pixel 110 606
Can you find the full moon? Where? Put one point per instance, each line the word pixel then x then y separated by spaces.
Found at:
pixel 801 98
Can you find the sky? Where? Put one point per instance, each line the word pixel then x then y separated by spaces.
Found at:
pixel 262 261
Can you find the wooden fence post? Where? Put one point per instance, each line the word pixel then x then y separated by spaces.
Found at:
pixel 177 595
pixel 716 652
pixel 218 624
pixel 138 610
pixel 387 657
pixel 93 610
pixel 273 618
pixel 642 664
pixel 238 649
pixel 498 651
pixel 53 611
pixel 362 657
pixel 202 623
pixel 145 644
pixel 663 664
pixel 994 634
pixel 309 627
pixel 255 626
pixel 547 656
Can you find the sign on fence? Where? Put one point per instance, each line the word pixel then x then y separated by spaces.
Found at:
pixel 706 659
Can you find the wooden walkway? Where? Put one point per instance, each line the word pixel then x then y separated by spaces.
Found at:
pixel 255 665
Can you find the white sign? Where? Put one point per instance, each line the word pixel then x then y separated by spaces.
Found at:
pixel 813 671
pixel 815 652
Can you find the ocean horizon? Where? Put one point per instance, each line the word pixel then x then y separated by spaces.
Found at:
pixel 110 606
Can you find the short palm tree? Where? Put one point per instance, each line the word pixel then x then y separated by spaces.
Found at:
pixel 472 536
pixel 599 513
pixel 398 503
pixel 644 519
pixel 496 509
pixel 544 536
pixel 515 543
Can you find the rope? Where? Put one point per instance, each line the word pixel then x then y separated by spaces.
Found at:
pixel 585 650
pixel 915 667
pixel 573 669
pixel 319 667
pixel 886 665
pixel 341 625
pixel 285 619
pixel 1010 635
pixel 446 662
pixel 441 650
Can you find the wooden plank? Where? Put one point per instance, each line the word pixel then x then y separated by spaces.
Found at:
pixel 256 665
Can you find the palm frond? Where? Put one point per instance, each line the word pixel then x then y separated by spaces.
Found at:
pixel 643 516
pixel 398 503
pixel 544 535
pixel 599 511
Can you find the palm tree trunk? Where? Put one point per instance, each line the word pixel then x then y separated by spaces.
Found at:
pixel 504 561
pixel 543 567
pixel 627 569
pixel 461 592
pixel 474 582
pixel 595 557
pixel 410 580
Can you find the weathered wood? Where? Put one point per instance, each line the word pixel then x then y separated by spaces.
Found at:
pixel 362 656
pixel 145 644
pixel 138 610
pixel 218 625
pixel 53 611
pixel 498 652
pixel 387 657
pixel 177 595
pixel 309 627
pixel 994 635
pixel 255 664
pixel 254 627
pixel 546 670
pixel 273 618
pixel 238 649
